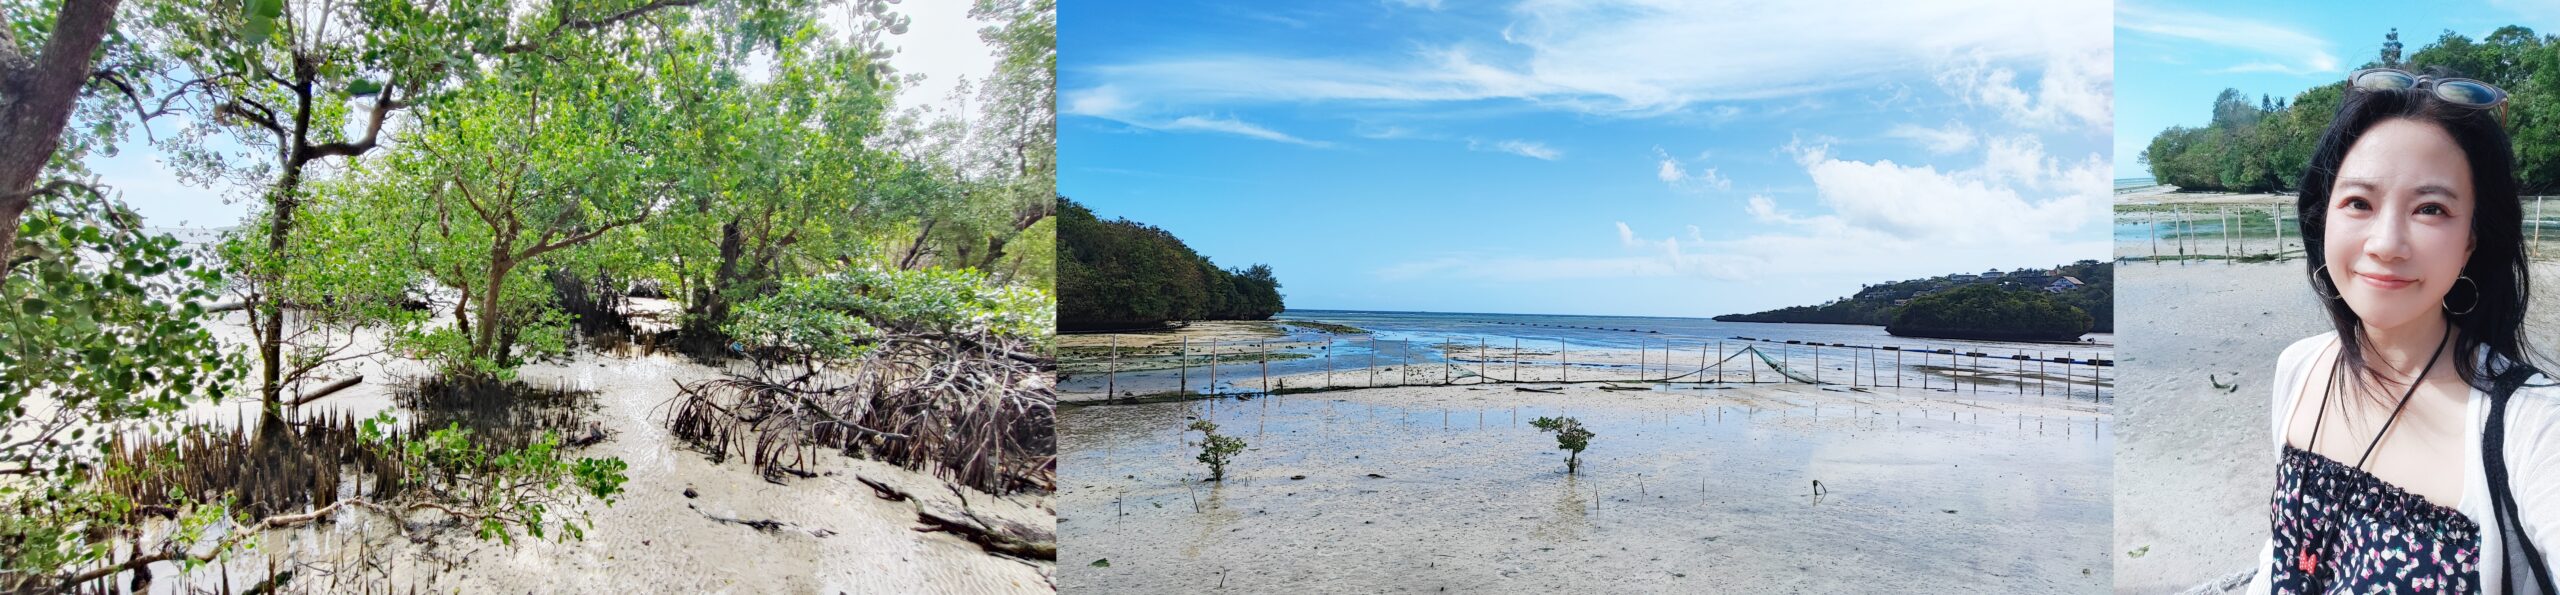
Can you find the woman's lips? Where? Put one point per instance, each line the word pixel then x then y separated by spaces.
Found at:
pixel 2384 281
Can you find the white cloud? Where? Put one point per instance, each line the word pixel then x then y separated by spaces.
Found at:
pixel 2284 49
pixel 1954 138
pixel 1105 101
pixel 1422 4
pixel 1995 203
pixel 2076 87
pixel 1643 57
pixel 1671 171
pixel 1529 149
pixel 1235 127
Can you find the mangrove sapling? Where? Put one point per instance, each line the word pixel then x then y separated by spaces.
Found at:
pixel 1216 450
pixel 1570 437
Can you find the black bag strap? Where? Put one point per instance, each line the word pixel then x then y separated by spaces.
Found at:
pixel 2502 498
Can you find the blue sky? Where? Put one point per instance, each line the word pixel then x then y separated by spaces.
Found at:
pixel 2173 57
pixel 1594 157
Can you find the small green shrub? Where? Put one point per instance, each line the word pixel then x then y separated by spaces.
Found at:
pixel 1215 450
pixel 1570 437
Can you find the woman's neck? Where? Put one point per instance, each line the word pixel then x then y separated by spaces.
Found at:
pixel 2404 349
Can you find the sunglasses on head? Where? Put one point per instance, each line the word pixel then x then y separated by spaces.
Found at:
pixel 2457 91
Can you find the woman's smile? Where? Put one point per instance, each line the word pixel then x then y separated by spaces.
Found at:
pixel 2385 281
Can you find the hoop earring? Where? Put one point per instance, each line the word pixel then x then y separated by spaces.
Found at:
pixel 2316 276
pixel 2475 297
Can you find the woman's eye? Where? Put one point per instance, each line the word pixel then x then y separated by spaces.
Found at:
pixel 2432 210
pixel 2354 204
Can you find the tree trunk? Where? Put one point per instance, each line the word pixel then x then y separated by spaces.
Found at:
pixel 36 101
pixel 271 335
pixel 489 323
pixel 916 250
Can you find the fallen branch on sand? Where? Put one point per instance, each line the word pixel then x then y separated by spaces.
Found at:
pixel 1552 391
pixel 765 525
pixel 331 388
pixel 997 536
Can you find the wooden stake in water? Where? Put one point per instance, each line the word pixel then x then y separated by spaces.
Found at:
pixel 1565 359
pixel 1373 360
pixel 2154 218
pixel 1481 361
pixel 1185 372
pixel 1328 362
pixel 1111 382
pixel 1515 359
pixel 1445 365
pixel 1213 367
pixel 1265 348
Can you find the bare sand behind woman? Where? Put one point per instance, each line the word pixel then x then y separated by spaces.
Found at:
pixel 2195 465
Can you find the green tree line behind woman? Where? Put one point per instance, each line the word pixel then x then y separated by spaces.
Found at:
pixel 2263 145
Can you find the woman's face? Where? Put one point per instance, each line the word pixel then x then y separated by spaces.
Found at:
pixel 2399 223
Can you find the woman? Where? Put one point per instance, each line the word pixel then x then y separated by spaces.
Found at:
pixel 2415 247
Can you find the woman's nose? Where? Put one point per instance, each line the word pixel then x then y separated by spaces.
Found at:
pixel 2388 239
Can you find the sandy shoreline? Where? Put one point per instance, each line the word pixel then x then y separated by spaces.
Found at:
pixel 1465 498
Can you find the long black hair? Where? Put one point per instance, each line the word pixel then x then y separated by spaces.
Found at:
pixel 2497 263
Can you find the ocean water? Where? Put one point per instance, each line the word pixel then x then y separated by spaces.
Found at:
pixel 1409 339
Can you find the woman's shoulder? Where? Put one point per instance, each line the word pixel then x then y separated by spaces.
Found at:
pixel 2301 352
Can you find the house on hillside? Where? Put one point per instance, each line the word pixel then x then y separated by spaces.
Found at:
pixel 2064 283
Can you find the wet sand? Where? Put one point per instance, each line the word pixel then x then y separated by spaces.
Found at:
pixel 1203 331
pixel 2166 194
pixel 2195 467
pixel 836 536
pixel 1687 490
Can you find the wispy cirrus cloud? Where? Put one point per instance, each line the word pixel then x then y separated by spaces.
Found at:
pixel 1523 148
pixel 1629 58
pixel 1954 137
pixel 1237 127
pixel 2279 48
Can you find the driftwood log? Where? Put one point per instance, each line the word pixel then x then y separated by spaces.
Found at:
pixel 997 536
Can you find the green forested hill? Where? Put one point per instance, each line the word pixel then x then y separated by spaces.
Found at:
pixel 1125 274
pixel 1879 304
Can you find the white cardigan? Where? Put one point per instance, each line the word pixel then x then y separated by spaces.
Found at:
pixel 2533 453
